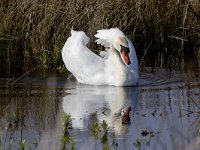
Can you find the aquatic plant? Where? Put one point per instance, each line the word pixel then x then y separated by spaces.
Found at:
pixel 66 137
pixel 107 135
pixel 95 129
pixel 65 140
pixel 104 126
pixel 105 138
pixel 106 147
pixel 67 121
pixel 145 140
pixel 137 143
pixel 22 144
pixel 72 144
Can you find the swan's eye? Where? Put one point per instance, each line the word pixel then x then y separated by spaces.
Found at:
pixel 126 49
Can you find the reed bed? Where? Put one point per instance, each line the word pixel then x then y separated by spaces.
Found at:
pixel 33 32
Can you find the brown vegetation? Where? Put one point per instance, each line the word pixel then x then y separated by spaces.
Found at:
pixel 33 32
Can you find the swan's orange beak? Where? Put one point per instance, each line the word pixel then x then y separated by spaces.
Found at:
pixel 125 57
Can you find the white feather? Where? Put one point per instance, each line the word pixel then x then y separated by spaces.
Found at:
pixel 89 68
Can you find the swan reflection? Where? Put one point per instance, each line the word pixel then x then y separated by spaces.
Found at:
pixel 89 103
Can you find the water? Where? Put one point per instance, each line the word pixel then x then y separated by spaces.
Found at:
pixel 165 111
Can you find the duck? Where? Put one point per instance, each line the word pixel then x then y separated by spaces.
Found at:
pixel 117 65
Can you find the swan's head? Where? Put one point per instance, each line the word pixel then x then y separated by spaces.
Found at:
pixel 121 45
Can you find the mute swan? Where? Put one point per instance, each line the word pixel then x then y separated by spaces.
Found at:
pixel 118 64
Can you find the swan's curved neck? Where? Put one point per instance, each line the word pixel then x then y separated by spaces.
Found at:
pixel 121 73
pixel 117 59
pixel 117 63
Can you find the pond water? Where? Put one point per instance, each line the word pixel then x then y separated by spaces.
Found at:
pixel 165 112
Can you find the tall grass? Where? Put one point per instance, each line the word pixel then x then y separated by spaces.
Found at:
pixel 33 32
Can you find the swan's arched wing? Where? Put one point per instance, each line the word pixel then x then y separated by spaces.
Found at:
pixel 79 60
pixel 105 38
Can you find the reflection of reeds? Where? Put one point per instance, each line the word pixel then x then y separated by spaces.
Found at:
pixel 33 32
pixel 23 110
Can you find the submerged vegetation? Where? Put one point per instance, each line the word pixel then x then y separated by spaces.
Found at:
pixel 107 136
pixel 145 140
pixel 66 137
pixel 33 32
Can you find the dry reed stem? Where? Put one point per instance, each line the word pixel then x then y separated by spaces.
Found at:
pixel 34 32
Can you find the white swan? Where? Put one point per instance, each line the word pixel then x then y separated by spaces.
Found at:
pixel 118 64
